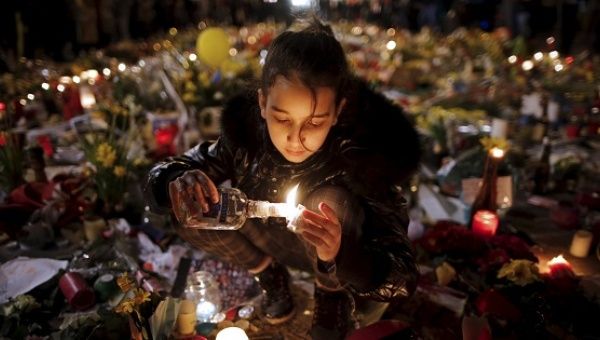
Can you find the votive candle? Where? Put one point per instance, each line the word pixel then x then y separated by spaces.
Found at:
pixel 485 223
pixel 581 243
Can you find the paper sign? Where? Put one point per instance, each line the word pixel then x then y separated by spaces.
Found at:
pixel 22 274
pixel 470 188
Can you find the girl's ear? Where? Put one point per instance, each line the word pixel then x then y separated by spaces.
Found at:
pixel 262 103
pixel 339 110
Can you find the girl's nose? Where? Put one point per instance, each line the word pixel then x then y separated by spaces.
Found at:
pixel 295 136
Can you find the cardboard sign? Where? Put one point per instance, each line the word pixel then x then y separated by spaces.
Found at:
pixel 470 188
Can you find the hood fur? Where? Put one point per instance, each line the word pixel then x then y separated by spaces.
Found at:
pixel 376 144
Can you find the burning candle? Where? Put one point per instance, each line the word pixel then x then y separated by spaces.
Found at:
pixel 87 98
pixel 293 211
pixel 232 333
pixel 485 223
pixel 560 267
pixel 580 245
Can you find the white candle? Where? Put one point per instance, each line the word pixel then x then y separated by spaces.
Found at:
pixel 293 220
pixel 205 311
pixel 580 246
pixel 232 333
pixel 499 128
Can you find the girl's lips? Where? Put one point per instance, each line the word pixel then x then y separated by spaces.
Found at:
pixel 295 153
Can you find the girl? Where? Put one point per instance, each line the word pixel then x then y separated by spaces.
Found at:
pixel 310 123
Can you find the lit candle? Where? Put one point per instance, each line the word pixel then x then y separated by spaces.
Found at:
pixel 485 223
pixel 560 267
pixel 232 333
pixel 88 100
pixel 205 311
pixel 293 211
pixel 580 246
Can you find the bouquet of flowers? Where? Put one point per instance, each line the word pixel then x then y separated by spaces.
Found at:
pixel 106 153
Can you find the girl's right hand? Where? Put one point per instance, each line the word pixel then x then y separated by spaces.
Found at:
pixel 190 192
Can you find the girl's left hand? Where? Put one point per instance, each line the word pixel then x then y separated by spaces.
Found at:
pixel 322 231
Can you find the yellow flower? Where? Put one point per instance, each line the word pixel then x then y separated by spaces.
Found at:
pixel 140 296
pixel 119 171
pixel 125 307
pixel 106 155
pixel 190 87
pixel 140 161
pixel 492 142
pixel 520 272
pixel 87 171
pixel 204 79
pixel 125 282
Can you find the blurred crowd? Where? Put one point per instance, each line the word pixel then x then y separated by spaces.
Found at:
pixel 60 29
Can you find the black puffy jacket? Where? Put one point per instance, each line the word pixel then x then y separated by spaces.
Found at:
pixel 369 151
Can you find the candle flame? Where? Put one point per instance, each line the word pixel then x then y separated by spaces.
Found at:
pixel 291 196
pixel 497 152
pixel 558 260
pixel 291 203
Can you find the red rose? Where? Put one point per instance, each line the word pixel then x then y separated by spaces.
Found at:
pixel 514 246
pixel 494 258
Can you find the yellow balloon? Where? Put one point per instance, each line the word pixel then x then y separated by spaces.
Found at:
pixel 212 46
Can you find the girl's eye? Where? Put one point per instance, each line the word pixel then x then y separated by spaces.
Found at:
pixel 283 121
pixel 314 124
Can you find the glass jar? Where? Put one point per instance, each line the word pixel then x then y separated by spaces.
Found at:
pixel 203 290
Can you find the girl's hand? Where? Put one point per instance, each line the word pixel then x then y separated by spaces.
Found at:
pixel 322 231
pixel 191 192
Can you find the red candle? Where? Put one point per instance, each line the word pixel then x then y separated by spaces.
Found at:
pixel 485 223
pixel 560 267
pixel 79 295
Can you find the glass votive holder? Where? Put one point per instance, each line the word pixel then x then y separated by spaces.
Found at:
pixel 203 290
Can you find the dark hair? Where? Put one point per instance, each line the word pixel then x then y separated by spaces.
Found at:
pixel 312 55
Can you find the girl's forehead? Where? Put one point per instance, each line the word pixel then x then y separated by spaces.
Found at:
pixel 284 87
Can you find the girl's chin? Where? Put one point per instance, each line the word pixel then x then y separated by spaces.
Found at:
pixel 296 157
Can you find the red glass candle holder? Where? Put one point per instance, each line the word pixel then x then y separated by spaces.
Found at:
pixel 77 292
pixel 485 223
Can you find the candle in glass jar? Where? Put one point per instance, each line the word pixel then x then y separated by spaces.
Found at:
pixel 485 223
pixel 580 245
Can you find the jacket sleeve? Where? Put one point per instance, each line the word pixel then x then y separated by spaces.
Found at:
pixel 214 158
pixel 384 256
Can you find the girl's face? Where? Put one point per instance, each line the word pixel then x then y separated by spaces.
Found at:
pixel 287 109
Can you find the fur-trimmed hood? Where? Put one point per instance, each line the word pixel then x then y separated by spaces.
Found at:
pixel 374 141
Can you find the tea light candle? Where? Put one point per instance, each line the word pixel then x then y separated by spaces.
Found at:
pixel 232 333
pixel 485 223
pixel 580 245
pixel 205 311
